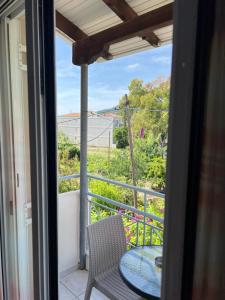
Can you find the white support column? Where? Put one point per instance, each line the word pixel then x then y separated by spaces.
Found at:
pixel 83 162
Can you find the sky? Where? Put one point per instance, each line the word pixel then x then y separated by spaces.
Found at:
pixel 108 81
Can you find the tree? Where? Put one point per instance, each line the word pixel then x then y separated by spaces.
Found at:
pixel 73 152
pixel 120 135
pixel 157 173
pixel 152 113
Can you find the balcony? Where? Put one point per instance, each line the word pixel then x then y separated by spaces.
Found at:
pixel 142 227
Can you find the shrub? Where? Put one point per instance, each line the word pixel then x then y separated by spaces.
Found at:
pixel 120 135
pixel 73 152
pixel 157 173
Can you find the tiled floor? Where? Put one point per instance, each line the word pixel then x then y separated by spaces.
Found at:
pixel 73 287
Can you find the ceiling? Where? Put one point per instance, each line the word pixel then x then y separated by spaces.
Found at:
pixel 94 16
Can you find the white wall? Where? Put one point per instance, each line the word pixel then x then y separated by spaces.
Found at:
pixel 68 231
pixel 100 130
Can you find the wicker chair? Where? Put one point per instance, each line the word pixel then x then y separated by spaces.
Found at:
pixel 107 243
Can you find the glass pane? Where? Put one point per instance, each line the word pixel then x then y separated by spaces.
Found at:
pixel 21 154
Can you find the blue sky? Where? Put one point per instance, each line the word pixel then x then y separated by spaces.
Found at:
pixel 108 81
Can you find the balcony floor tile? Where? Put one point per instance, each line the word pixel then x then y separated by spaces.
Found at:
pixel 65 294
pixel 95 295
pixel 76 282
pixel 73 286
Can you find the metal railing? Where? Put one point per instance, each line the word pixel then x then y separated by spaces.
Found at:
pixel 148 227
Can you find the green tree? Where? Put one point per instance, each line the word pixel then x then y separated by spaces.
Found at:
pixel 157 173
pixel 152 113
pixel 120 135
pixel 73 152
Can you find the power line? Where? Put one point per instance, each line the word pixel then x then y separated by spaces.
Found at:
pixel 96 137
pixel 100 133
pixel 70 120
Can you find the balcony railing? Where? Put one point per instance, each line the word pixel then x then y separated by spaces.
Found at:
pixel 142 227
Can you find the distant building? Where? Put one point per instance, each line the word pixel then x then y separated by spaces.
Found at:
pixel 100 128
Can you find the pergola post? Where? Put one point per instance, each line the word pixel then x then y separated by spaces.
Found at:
pixel 83 163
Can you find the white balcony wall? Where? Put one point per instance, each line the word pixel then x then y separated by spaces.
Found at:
pixel 68 232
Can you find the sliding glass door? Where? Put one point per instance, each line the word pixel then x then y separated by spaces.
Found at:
pixel 21 153
pixel 27 191
pixel 16 198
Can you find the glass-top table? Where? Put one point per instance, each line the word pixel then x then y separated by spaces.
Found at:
pixel 138 270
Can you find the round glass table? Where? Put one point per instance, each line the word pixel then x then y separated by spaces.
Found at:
pixel 138 270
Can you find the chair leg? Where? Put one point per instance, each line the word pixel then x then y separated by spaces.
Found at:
pixel 88 291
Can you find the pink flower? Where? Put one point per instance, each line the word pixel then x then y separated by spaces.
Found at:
pixel 142 133
pixel 149 220
pixel 126 229
pixel 127 239
pixel 138 217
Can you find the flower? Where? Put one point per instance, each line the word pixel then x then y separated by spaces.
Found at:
pixel 129 237
pixel 137 217
pixel 126 228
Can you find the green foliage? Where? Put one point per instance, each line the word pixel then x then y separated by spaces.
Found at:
pixel 98 163
pixel 63 145
pixel 68 163
pixel 69 185
pixel 73 152
pixel 148 108
pixel 120 135
pixel 155 206
pixel 110 191
pixel 120 165
pixel 157 173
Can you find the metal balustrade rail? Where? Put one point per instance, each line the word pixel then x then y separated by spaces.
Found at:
pixel 143 219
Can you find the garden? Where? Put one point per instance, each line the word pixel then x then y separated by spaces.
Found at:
pixel 144 123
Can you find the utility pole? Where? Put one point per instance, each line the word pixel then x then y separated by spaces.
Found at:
pixel 131 146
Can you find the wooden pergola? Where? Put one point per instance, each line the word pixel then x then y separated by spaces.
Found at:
pixel 87 48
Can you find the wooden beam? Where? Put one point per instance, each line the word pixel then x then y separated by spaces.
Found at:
pixel 126 13
pixel 70 29
pixel 121 9
pixel 151 37
pixel 89 49
pixel 74 32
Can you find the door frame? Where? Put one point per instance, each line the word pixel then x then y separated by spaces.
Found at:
pixel 21 151
pixel 42 122
pixel 40 16
pixel 7 208
pixel 188 86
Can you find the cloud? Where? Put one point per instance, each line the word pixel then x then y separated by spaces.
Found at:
pixel 100 97
pixel 163 60
pixel 133 66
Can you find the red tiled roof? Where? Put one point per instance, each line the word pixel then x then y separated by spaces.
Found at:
pixel 112 115
pixel 71 115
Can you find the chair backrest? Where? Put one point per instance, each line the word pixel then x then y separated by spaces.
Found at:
pixel 107 243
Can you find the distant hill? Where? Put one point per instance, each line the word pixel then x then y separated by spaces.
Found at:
pixel 108 110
